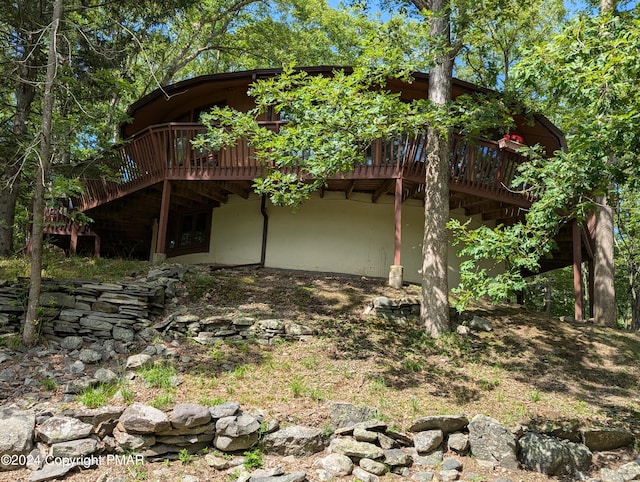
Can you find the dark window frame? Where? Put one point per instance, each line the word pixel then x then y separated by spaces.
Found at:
pixel 176 232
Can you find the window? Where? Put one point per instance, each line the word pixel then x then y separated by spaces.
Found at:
pixel 189 232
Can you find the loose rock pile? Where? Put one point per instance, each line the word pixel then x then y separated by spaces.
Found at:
pixel 433 448
pixel 233 325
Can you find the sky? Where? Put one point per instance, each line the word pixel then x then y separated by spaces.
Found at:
pixel 570 5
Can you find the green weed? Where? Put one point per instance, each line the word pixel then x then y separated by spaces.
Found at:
pixel 185 457
pixel 253 459
pixel 415 405
pixel 311 363
pixel 137 473
pixel 48 384
pixel 534 396
pixel 240 371
pixel 411 365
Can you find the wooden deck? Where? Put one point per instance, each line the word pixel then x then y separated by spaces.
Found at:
pixel 479 171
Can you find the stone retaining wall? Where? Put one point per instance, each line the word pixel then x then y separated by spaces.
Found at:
pixel 433 448
pixel 93 310
pixel 132 311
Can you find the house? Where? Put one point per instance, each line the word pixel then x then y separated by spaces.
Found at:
pixel 173 201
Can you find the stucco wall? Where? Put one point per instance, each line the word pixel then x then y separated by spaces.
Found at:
pixel 352 236
pixel 331 234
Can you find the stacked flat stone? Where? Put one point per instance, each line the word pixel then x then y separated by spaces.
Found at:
pixel 126 312
pixel 433 448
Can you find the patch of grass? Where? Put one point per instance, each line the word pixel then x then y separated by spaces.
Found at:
pixel 377 385
pixel 11 341
pixel 198 286
pixel 310 363
pixel 581 407
pixel 453 345
pixel 411 365
pixel 57 266
pixel 128 395
pixel 415 405
pixel 216 354
pixel 297 386
pixel 327 429
pixel 488 385
pixel 211 401
pixel 162 400
pixel 98 396
pixel 161 375
pixel 316 394
pixel 241 346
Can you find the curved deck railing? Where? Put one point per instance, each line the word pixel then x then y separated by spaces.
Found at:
pixel 165 152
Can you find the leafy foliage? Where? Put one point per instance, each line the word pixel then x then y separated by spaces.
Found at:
pixel 330 123
pixel 584 76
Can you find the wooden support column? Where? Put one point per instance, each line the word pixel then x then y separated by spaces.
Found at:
pixel 396 277
pixel 161 249
pixel 397 244
pixel 73 244
pixel 591 285
pixel 577 272
pixel 96 246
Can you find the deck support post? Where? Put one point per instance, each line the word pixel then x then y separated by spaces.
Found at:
pixel 73 243
pixel 577 271
pixel 96 246
pixel 161 250
pixel 591 269
pixel 396 277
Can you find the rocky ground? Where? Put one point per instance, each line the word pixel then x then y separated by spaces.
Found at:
pixel 528 371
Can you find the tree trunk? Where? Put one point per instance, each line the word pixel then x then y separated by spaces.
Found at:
pixel 46 151
pixel 434 311
pixel 635 308
pixel 547 296
pixel 604 293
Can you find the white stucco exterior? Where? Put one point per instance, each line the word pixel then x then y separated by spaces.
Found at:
pixel 330 234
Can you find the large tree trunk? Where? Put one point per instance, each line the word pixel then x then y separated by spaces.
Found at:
pixel 435 289
pixel 604 293
pixel 46 151
pixel 635 304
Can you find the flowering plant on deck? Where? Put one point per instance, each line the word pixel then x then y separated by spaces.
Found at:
pixel 514 137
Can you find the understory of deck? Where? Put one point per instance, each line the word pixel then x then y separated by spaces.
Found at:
pixel 480 183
